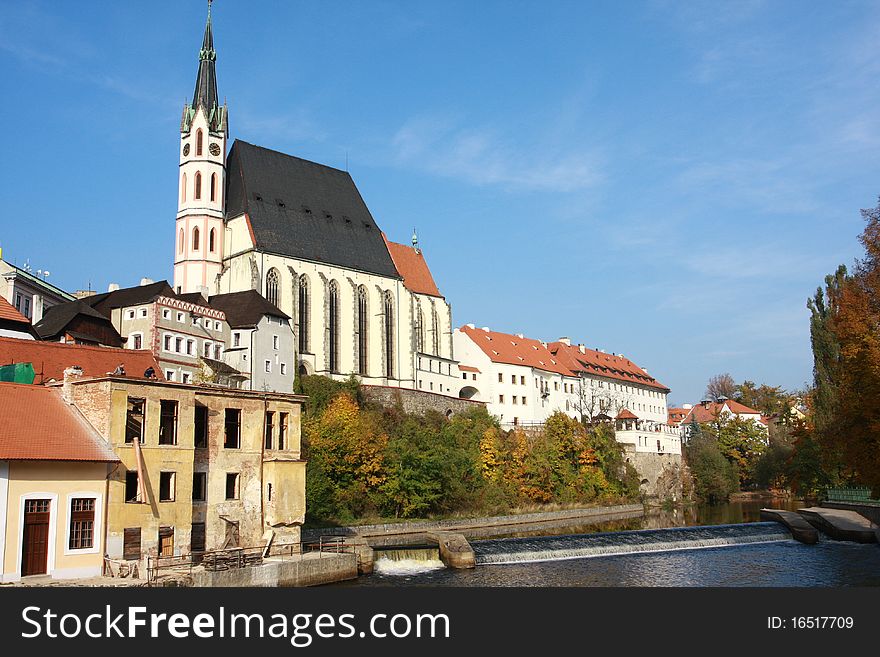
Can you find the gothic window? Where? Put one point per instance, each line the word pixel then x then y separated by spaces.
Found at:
pixel 183 189
pixel 196 238
pixel 211 237
pixel 420 328
pixel 303 314
pixel 213 186
pixel 197 194
pixel 180 241
pixel 199 142
pixel 388 303
pixel 272 281
pixel 334 326
pixel 435 332
pixel 362 327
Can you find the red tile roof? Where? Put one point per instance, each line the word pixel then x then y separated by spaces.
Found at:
pixel 710 412
pixel 10 314
pixel 410 263
pixel 36 424
pixel 50 359
pixel 514 350
pixel 598 363
pixel 468 368
pixel 676 415
pixel 627 414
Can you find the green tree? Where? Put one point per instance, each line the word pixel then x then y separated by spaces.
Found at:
pixel 715 478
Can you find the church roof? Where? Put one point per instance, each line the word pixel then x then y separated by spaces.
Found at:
pixel 411 264
pixel 245 309
pixel 304 210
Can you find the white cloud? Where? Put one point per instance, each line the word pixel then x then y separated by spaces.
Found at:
pixel 481 156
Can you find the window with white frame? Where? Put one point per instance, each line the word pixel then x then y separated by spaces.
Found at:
pixel 82 523
pixel 169 375
pixel 180 317
pixel 268 365
pixel 166 314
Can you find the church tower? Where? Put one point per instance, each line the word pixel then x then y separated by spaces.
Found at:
pixel 198 244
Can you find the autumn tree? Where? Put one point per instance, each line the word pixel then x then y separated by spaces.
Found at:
pixel 720 386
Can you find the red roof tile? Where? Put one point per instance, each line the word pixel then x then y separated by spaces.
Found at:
pixel 410 263
pixel 514 350
pixel 36 424
pixel 10 314
pixel 50 359
pixel 627 414
pixel 468 368
pixel 710 412
pixel 598 363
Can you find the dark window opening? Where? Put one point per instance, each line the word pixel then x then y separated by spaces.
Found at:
pixel 132 489
pixel 200 486
pixel 131 543
pixel 232 438
pixel 167 486
pixel 201 426
pixel 134 420
pixel 232 485
pixel 269 429
pixel 282 430
pixel 168 422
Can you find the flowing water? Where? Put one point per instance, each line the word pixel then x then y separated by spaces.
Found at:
pixel 723 545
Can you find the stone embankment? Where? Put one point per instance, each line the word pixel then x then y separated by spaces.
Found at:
pixel 409 532
pixel 800 529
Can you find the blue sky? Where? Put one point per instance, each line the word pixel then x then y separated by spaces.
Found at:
pixel 669 180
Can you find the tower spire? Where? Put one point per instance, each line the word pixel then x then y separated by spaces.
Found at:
pixel 205 94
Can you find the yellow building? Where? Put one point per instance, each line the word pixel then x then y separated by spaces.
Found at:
pixel 203 467
pixel 54 470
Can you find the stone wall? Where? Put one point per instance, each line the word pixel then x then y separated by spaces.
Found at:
pixel 310 571
pixel 417 401
pixel 661 475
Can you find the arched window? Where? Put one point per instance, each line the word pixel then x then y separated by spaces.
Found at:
pixel 211 237
pixel 180 241
pixel 183 189
pixel 388 308
pixel 197 194
pixel 362 327
pixel 213 186
pixel 435 331
pixel 272 281
pixel 333 322
pixel 195 246
pixel 199 142
pixel 420 328
pixel 303 314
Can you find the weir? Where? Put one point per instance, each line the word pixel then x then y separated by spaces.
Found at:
pixel 407 560
pixel 552 548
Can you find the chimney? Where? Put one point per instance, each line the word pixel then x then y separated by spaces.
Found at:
pixel 582 349
pixel 486 329
pixel 705 402
pixel 71 374
pixel 471 326
pixel 520 336
pixel 565 341
pixel 146 281
pixel 113 287
pixel 687 407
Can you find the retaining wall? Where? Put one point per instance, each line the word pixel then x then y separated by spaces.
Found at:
pixel 417 401
pixel 309 571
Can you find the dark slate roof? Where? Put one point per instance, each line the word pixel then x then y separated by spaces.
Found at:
pixel 244 309
pixel 205 94
pixel 193 297
pixel 129 296
pixel 57 318
pixel 304 210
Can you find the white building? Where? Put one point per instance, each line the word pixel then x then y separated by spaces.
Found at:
pixel 260 342
pixel 523 381
pixel 29 292
pixel 300 234
pixel 707 412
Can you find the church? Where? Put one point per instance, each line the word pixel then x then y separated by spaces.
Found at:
pixel 300 234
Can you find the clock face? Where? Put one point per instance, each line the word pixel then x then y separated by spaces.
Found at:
pixel 214 148
pixel 185 150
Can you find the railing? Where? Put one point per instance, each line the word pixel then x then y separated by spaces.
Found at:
pixel 857 494
pixel 242 557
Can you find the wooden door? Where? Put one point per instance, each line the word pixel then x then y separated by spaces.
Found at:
pixel 166 541
pixel 35 542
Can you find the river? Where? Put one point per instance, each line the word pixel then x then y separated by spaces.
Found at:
pixel 723 545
